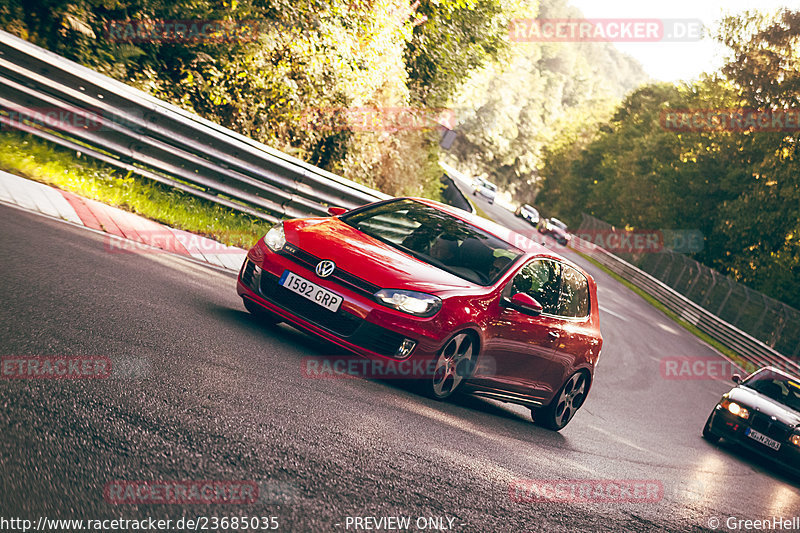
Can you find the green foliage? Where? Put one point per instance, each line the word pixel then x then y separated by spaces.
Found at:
pixel 453 38
pixel 291 62
pixel 740 188
pixel 512 109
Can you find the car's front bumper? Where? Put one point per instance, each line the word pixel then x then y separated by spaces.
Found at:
pixel 732 428
pixel 361 325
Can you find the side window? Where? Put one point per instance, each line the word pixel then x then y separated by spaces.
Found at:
pixel 574 299
pixel 540 279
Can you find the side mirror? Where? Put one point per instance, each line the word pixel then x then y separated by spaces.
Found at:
pixel 336 211
pixel 525 304
pixel 736 378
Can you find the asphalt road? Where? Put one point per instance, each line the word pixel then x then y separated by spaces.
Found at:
pixel 199 390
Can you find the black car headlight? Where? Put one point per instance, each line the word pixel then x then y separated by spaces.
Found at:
pixel 411 302
pixel 734 408
pixel 275 238
pixel 795 438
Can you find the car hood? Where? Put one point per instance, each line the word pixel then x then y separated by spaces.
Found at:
pixel 555 230
pixel 368 258
pixel 756 401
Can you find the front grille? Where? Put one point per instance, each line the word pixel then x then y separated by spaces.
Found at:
pixel 301 256
pixel 341 322
pixel 354 282
pixel 247 273
pixel 377 339
pixel 771 428
pixel 345 278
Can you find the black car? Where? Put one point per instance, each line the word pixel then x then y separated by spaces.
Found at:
pixel 762 413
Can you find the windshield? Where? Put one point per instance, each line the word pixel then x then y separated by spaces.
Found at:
pixel 490 186
pixel 437 238
pixel 776 386
pixel 557 223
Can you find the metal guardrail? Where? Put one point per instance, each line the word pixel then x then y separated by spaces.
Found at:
pixel 750 348
pixel 771 321
pixel 134 131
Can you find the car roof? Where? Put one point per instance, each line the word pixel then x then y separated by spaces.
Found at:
pixel 778 371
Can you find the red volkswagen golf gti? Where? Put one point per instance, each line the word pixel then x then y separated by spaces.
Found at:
pixel 483 310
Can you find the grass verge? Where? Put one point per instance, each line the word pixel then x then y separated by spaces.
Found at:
pixel 26 156
pixel 691 328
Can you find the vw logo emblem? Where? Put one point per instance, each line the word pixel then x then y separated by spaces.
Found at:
pixel 325 268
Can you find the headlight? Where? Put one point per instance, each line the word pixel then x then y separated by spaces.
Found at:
pixel 795 439
pixel 275 238
pixel 734 408
pixel 411 302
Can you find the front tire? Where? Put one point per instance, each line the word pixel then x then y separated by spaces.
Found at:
pixel 707 434
pixel 454 365
pixel 566 403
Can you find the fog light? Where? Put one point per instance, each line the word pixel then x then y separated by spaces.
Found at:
pixel 405 349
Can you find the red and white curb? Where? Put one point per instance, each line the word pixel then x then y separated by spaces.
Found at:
pixel 65 205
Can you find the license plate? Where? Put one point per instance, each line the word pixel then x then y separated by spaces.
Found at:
pixel 312 291
pixel 763 439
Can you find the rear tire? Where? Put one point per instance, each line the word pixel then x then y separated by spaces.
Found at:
pixel 260 313
pixel 568 400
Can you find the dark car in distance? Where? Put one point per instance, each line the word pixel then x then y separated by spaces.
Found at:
pixel 529 213
pixel 762 413
pixel 413 280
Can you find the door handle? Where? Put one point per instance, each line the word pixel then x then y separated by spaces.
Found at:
pixel 554 334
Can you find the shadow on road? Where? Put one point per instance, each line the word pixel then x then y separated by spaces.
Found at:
pixel 756 462
pixel 462 406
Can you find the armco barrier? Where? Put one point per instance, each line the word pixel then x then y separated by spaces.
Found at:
pixel 753 350
pixel 160 141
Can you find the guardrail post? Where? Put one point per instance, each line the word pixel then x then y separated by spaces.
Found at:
pixel 763 314
pixel 725 300
pixel 711 288
pixel 735 322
